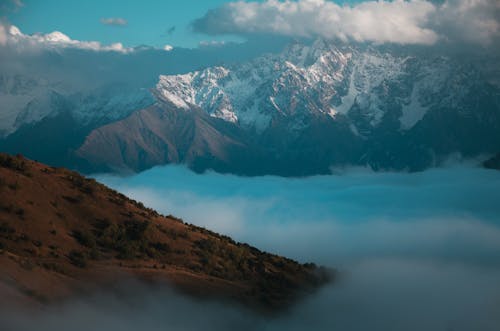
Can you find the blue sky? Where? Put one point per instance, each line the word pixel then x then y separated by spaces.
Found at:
pixel 148 21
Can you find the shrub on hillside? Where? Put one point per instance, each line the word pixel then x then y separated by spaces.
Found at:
pixel 78 258
pixel 130 239
pixel 84 238
pixel 14 163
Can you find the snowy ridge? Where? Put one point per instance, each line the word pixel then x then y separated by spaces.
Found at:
pixel 27 100
pixel 19 97
pixel 362 84
pixel 253 93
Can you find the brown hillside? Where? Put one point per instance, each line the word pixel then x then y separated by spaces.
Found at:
pixel 161 135
pixel 62 234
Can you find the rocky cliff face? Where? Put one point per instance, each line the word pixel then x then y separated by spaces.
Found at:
pixel 368 82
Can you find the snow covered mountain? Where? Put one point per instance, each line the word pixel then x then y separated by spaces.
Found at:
pixel 300 111
pixel 362 84
pixel 52 98
pixel 27 100
pixel 93 86
pixel 45 118
pixel 310 108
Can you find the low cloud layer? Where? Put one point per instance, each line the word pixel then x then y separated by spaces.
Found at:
pixel 443 214
pixel 116 21
pixel 377 295
pixel 416 252
pixel 401 22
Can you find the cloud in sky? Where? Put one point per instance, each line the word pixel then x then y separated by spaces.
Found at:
pixel 114 21
pixel 402 22
pixel 11 36
pixel 471 21
pixel 211 43
pixel 3 34
pixel 10 6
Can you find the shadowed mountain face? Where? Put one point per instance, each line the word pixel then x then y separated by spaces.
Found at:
pixel 61 234
pixel 164 134
pixel 160 135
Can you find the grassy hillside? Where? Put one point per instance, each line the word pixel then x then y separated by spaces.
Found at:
pixel 61 234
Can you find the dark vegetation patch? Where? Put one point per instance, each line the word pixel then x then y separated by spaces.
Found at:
pixel 13 186
pixel 14 163
pixel 173 234
pixel 84 185
pixel 130 239
pixel 55 267
pixel 72 199
pixel 78 258
pixel 6 231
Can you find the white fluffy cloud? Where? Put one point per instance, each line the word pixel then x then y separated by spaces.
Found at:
pixel 116 21
pixel 3 35
pixel 211 43
pixel 399 21
pixel 11 36
pixel 472 21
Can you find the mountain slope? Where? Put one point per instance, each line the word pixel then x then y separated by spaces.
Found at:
pixel 162 134
pixel 61 234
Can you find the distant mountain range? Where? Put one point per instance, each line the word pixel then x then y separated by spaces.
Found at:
pixel 304 111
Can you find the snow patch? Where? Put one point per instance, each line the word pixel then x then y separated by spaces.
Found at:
pixel 412 113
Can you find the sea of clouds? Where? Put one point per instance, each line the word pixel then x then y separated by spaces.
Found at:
pixel 415 251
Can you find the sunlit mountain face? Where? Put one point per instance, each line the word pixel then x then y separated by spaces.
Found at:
pixel 321 165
